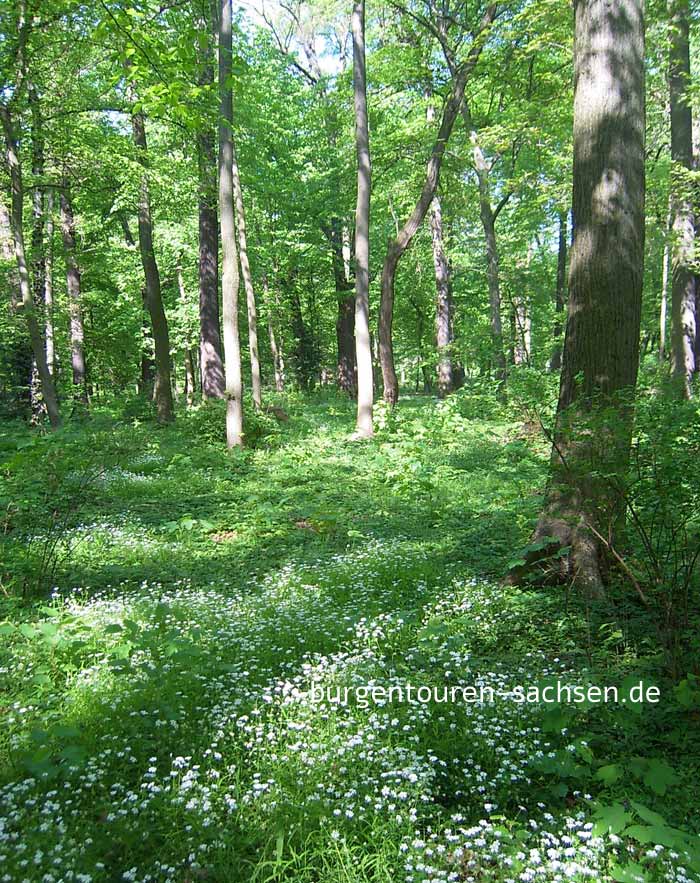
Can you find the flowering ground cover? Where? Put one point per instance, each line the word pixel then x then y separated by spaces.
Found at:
pixel 158 715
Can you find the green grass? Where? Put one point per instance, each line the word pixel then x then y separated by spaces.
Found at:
pixel 156 717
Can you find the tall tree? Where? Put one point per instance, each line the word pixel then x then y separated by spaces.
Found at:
pixel 163 393
pixel 210 355
pixel 16 219
pixel 365 381
pixel 559 295
pixel 399 245
pixel 683 318
pixel 77 331
pixel 601 348
pixel 230 278
pixel 443 307
pixel 252 311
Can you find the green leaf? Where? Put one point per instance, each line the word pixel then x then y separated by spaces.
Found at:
pixel 609 773
pixel 659 776
pixel 630 873
pixel 611 819
pixel 7 628
pixel 653 818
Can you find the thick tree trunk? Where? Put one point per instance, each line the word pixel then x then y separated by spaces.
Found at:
pixel 210 359
pixel 559 295
pixel 38 345
pixel 443 305
pixel 77 331
pixel 230 278
pixel 363 354
pixel 683 318
pixel 256 380
pixel 163 394
pixel 601 348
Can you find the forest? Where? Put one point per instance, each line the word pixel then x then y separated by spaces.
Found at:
pixel 349 441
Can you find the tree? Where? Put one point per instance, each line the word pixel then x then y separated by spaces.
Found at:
pixel 256 380
pixel 163 393
pixel 601 349
pixel 365 383
pixel 210 356
pixel 77 332
pixel 443 307
pixel 230 278
pixel 559 295
pixel 683 318
pixel 398 246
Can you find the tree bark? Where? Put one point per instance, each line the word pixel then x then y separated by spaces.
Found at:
pixel 364 427
pixel 16 211
pixel 230 278
pixel 77 331
pixel 211 361
pixel 163 394
pixel 601 348
pixel 683 319
pixel 559 296
pixel 665 275
pixel 48 288
pixel 210 353
pixel 443 307
pixel 488 222
pixel 256 380
pixel 400 244
pixel 345 320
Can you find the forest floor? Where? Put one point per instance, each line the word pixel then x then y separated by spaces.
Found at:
pixel 157 721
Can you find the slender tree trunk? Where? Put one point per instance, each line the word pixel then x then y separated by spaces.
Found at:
pixel 210 353
pixel 230 277
pixel 38 345
pixel 363 353
pixel 443 309
pixel 560 294
pixel 77 331
pixel 190 386
pixel 683 319
pixel 256 380
pixel 276 347
pixel 488 222
pixel 163 393
pixel 601 348
pixel 48 288
pixel 665 276
pixel 399 245
pixel 210 360
pixel 345 320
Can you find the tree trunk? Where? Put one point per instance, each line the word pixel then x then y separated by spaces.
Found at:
pixel 363 354
pixel 346 373
pixel 601 348
pixel 488 222
pixel 188 358
pixel 665 274
pixel 154 301
pixel 210 354
pixel 38 345
pixel 230 278
pixel 398 246
pixel 256 381
pixel 683 319
pixel 443 307
pixel 210 360
pixel 48 288
pixel 77 332
pixel 555 362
